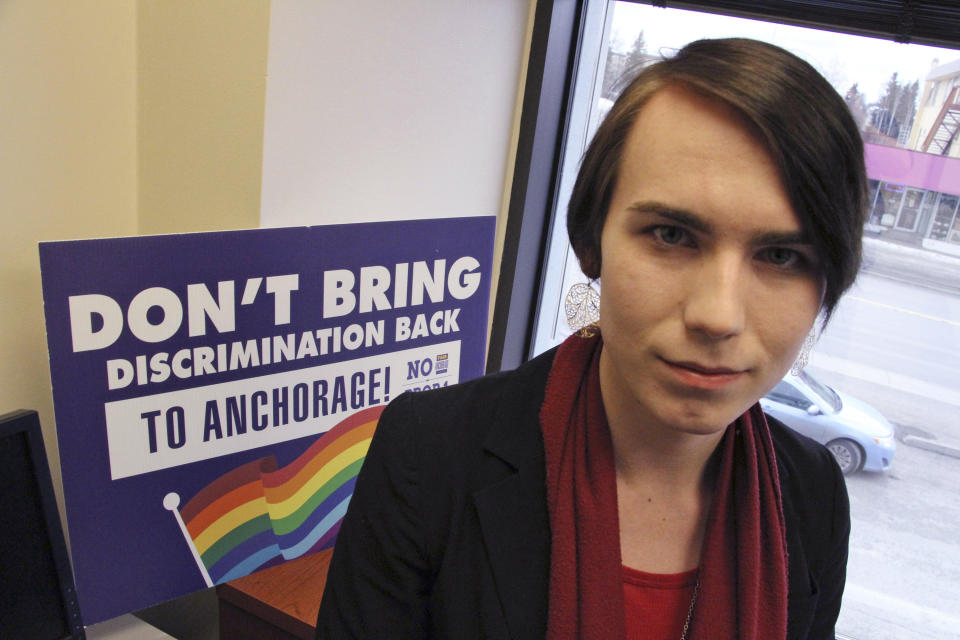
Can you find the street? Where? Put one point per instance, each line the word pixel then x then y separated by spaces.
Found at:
pixel 904 567
pixel 896 345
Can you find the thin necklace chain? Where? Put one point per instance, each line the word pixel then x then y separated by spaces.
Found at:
pixel 693 603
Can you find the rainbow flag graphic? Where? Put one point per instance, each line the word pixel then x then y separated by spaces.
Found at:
pixel 257 515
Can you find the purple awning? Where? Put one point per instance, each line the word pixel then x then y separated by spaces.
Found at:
pixel 913 168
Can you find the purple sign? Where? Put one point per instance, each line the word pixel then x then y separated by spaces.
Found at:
pixel 215 393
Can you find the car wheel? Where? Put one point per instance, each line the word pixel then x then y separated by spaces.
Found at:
pixel 847 453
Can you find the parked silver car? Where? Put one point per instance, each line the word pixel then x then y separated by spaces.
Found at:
pixel 857 435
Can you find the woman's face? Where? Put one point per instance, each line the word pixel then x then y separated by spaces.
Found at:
pixel 709 286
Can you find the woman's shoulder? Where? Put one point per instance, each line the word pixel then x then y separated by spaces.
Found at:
pixel 811 483
pixel 799 455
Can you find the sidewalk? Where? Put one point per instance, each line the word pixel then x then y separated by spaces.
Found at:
pixel 912 265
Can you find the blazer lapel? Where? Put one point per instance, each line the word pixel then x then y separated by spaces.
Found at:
pixel 512 509
pixel 801 592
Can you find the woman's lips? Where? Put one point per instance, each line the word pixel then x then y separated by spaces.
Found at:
pixel 696 375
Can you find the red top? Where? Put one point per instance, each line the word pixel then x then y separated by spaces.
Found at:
pixel 657 603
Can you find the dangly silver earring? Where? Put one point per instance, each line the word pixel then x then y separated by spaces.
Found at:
pixel 582 308
pixel 803 358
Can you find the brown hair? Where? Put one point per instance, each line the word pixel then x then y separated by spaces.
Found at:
pixel 806 126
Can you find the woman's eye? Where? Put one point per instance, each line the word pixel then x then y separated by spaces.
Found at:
pixel 672 235
pixel 782 257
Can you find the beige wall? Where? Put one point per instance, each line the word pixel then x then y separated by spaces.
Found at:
pixel 118 118
pixel 202 73
pixel 67 163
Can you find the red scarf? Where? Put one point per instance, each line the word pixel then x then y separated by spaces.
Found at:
pixel 743 570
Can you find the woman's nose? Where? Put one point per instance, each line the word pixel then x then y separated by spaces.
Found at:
pixel 716 299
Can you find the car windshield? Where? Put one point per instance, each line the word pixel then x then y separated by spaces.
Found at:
pixel 825 393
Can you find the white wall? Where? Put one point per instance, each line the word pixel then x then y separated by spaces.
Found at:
pixel 390 109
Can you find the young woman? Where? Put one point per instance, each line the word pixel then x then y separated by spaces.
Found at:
pixel 627 484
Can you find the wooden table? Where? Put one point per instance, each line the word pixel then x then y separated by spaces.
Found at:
pixel 279 603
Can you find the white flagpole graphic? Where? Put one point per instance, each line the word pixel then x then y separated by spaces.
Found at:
pixel 171 502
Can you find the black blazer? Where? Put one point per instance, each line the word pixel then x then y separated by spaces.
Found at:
pixel 448 536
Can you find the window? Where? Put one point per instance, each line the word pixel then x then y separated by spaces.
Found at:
pixel 789 395
pixel 910 210
pixel 828 398
pixel 892 350
pixel 888 204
